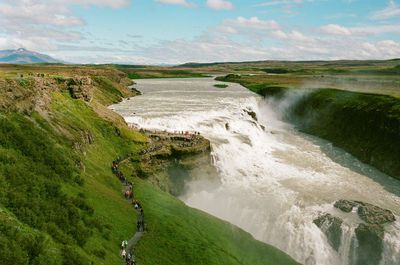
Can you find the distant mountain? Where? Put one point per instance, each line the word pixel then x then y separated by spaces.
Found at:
pixel 23 56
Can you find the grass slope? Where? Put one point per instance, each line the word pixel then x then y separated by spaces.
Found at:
pixel 182 235
pixel 258 86
pixel 58 187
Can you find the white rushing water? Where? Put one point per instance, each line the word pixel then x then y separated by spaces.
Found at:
pixel 275 181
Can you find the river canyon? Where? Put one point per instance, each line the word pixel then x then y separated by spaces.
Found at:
pixel 274 181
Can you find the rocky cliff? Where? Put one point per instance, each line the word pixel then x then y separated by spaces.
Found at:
pixel 172 160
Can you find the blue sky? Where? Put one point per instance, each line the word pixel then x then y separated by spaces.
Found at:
pixel 179 31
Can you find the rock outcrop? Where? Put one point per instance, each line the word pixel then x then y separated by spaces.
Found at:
pixel 367 212
pixel 86 138
pixel 369 245
pixel 172 160
pixel 80 87
pixel 26 95
pixel 375 215
pixel 252 114
pixel 332 227
pixel 345 206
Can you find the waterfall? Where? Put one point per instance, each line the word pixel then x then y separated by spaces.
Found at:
pixel 274 180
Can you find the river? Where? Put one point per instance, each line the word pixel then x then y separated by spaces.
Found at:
pixel 274 180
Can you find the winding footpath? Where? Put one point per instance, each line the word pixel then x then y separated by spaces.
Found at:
pixel 182 139
pixel 127 190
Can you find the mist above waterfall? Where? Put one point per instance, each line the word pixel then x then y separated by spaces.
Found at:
pixel 274 180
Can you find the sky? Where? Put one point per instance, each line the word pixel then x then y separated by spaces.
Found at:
pixel 180 31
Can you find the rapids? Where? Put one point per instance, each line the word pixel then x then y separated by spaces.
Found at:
pixel 274 180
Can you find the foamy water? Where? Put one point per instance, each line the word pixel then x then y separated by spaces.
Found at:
pixel 274 181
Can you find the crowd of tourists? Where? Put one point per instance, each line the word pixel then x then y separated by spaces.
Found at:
pixel 127 258
pixel 178 138
pixel 127 254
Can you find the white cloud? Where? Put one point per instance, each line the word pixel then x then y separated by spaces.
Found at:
pixel 34 12
pixel 40 24
pixel 283 2
pixel 225 29
pixel 177 2
pixel 334 29
pixel 278 34
pixel 293 36
pixel 294 46
pixel 49 12
pixel 300 37
pixel 110 3
pixel 375 30
pixel 35 44
pixel 390 11
pixel 252 23
pixel 205 48
pixel 220 5
pixel 47 26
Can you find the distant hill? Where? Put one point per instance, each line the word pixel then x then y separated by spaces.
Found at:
pixel 23 56
pixel 277 63
pixel 199 65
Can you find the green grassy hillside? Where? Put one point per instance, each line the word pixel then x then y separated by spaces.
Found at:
pixel 55 183
pixel 257 85
pixel 59 201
